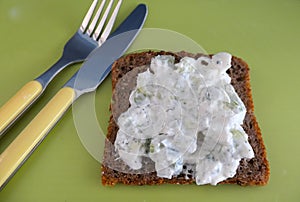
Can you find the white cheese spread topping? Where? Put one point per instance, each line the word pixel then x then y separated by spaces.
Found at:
pixel 186 113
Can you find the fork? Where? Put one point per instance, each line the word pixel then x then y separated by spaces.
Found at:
pixel 88 37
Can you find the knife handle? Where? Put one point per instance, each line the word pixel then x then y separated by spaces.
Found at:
pixel 26 142
pixel 16 105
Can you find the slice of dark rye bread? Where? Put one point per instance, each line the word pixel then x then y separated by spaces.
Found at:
pixel 254 171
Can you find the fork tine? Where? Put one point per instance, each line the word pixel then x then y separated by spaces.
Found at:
pixel 102 21
pixel 95 19
pixel 88 16
pixel 110 23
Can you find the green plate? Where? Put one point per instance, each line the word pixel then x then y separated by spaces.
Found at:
pixel 264 33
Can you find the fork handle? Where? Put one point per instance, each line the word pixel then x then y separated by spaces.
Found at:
pixel 14 107
pixel 27 141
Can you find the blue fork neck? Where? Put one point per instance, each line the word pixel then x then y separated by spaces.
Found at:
pixel 75 50
pixel 48 75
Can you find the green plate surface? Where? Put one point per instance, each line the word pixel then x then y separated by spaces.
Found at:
pixel 264 33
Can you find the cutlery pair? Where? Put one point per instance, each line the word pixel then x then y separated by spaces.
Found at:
pixel 99 49
pixel 76 50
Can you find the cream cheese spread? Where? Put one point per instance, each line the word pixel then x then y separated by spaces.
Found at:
pixel 185 113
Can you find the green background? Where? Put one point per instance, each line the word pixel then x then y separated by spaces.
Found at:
pixel 264 33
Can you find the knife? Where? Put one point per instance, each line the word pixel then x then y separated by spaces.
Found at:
pixel 86 79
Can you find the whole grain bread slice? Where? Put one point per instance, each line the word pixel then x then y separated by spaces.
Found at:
pixel 253 171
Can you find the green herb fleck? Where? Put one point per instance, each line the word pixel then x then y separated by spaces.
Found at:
pixel 148 145
pixel 236 133
pixel 151 149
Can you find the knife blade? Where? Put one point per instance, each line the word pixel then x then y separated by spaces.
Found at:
pixel 87 79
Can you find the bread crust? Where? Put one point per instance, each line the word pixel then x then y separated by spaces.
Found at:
pixel 253 171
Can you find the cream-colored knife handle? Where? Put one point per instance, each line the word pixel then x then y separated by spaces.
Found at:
pixel 14 107
pixel 25 143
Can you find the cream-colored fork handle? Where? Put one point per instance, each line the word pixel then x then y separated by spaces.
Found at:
pixel 18 103
pixel 25 143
